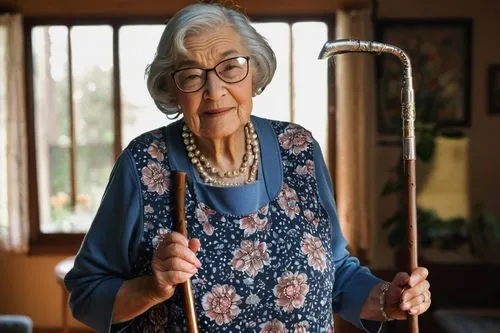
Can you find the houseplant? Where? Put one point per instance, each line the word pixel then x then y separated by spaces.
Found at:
pixel 480 231
pixel 433 230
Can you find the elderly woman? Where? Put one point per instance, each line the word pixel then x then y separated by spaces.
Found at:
pixel 266 253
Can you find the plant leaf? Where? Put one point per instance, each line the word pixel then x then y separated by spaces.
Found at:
pixel 425 146
pixel 391 187
pixel 397 236
pixel 396 217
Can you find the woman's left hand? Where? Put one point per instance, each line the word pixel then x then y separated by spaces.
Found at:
pixel 408 294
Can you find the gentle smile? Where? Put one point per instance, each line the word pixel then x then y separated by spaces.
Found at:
pixel 214 112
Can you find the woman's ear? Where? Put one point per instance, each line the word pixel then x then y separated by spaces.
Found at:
pixel 254 78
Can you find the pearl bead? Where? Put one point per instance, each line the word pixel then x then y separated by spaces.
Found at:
pixel 226 178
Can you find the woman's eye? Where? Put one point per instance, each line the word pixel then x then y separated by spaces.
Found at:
pixel 192 77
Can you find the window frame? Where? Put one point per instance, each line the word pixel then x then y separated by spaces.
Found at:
pixel 69 243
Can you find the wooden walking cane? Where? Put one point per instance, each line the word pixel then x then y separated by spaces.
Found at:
pixel 408 134
pixel 180 227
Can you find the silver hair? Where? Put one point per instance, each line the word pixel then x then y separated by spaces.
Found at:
pixel 194 19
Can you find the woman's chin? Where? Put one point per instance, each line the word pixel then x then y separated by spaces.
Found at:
pixel 220 126
pixel 220 131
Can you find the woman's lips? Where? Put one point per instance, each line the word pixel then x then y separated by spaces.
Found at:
pixel 218 111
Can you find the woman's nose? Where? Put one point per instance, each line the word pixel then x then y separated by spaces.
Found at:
pixel 214 86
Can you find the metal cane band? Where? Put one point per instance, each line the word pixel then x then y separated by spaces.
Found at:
pixel 409 149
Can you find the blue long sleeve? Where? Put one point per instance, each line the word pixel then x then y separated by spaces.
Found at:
pixel 105 258
pixel 353 282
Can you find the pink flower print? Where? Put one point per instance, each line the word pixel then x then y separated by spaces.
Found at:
pixel 157 150
pixel 206 210
pixel 252 223
pixel 202 215
pixel 264 210
pixel 160 234
pixel 316 253
pixel 301 327
pixel 295 139
pixel 274 326
pixel 307 169
pixel 148 226
pixel 251 257
pixel 221 304
pixel 291 290
pixel 288 201
pixel 148 209
pixel 155 178
pixel 309 215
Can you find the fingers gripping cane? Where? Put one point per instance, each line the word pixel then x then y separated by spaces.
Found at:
pixel 180 227
pixel 408 117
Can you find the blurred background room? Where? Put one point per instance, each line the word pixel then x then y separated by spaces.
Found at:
pixel 73 94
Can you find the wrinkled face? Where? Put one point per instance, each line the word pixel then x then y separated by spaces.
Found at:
pixel 218 109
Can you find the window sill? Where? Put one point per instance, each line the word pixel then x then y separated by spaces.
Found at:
pixel 55 244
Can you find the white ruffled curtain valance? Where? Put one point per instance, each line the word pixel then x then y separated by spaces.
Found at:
pixel 14 219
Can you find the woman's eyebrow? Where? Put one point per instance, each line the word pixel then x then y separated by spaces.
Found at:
pixel 189 63
pixel 228 53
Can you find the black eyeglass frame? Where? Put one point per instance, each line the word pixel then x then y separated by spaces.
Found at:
pixel 247 58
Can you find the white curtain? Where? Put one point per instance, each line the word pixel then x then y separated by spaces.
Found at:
pixel 356 132
pixel 14 223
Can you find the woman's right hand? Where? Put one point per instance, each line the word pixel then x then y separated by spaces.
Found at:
pixel 174 262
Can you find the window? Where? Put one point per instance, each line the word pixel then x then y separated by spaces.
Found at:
pixel 298 91
pixel 89 99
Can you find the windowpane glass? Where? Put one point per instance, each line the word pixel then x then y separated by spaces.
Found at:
pixel 311 79
pixel 52 124
pixel 274 102
pixel 3 129
pixel 92 55
pixel 93 123
pixel 137 49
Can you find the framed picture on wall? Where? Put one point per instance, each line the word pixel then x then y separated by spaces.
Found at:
pixel 440 54
pixel 494 89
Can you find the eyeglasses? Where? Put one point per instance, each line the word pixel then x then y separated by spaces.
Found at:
pixel 230 70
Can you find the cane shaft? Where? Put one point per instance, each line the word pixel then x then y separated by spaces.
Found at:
pixel 408 131
pixel 180 227
pixel 411 210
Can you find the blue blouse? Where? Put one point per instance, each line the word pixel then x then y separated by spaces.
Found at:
pixel 113 250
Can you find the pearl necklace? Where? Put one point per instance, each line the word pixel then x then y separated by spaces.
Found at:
pixel 210 174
